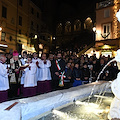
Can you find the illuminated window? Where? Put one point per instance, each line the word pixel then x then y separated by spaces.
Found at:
pixel 88 23
pixel 3 36
pixel 4 12
pixel 20 20
pixel 106 13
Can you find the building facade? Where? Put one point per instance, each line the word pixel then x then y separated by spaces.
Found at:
pixel 21 26
pixel 14 23
pixel 107 28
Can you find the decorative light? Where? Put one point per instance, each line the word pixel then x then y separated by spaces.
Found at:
pixel 115 22
pixel 0 28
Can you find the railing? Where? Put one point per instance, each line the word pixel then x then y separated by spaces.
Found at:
pixel 85 49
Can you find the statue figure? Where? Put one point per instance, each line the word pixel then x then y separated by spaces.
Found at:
pixel 114 113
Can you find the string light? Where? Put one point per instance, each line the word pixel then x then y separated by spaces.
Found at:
pixel 115 21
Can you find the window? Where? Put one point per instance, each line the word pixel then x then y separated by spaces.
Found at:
pixel 32 10
pixel 10 38
pixel 19 31
pixel 4 12
pixel 32 24
pixel 68 27
pixel 106 31
pixel 37 14
pixel 37 27
pixel 21 2
pixel 77 25
pixel 106 13
pixel 20 20
pixel 3 36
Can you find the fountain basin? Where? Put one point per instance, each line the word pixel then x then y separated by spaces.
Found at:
pixel 28 108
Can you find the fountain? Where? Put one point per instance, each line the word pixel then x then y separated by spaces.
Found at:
pixel 115 86
pixel 35 107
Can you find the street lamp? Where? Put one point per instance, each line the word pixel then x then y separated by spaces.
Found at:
pixel 0 32
pixel 0 28
pixel 94 30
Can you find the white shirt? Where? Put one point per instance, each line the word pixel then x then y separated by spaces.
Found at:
pixel 23 61
pixel 34 60
pixel 44 73
pixel 30 76
pixel 4 84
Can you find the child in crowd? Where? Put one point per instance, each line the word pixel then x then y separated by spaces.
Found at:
pixel 77 75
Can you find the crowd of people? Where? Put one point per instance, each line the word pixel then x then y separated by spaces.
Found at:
pixel 31 75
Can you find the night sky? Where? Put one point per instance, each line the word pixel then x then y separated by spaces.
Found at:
pixel 55 11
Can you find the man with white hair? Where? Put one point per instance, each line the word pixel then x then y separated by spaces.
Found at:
pixel 4 83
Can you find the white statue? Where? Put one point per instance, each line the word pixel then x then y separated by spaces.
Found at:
pixel 114 113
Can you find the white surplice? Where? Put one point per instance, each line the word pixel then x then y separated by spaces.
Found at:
pixel 44 72
pixel 30 76
pixel 23 61
pixel 34 60
pixel 4 83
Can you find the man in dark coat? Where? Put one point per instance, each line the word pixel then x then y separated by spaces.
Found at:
pixel 57 68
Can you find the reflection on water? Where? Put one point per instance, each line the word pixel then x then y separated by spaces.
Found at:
pixel 83 110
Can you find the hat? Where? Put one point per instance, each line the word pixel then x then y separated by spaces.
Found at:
pixel 117 57
pixel 15 53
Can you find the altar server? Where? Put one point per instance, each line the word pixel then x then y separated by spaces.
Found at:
pixel 36 60
pixel 30 82
pixel 23 62
pixel 44 78
pixel 4 83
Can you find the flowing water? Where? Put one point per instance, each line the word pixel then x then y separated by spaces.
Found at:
pixel 83 110
pixel 93 108
pixel 103 90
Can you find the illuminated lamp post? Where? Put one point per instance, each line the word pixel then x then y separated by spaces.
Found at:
pixel 94 30
pixel 0 32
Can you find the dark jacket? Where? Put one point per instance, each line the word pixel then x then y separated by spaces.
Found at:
pixel 76 73
pixel 85 73
pixel 55 69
